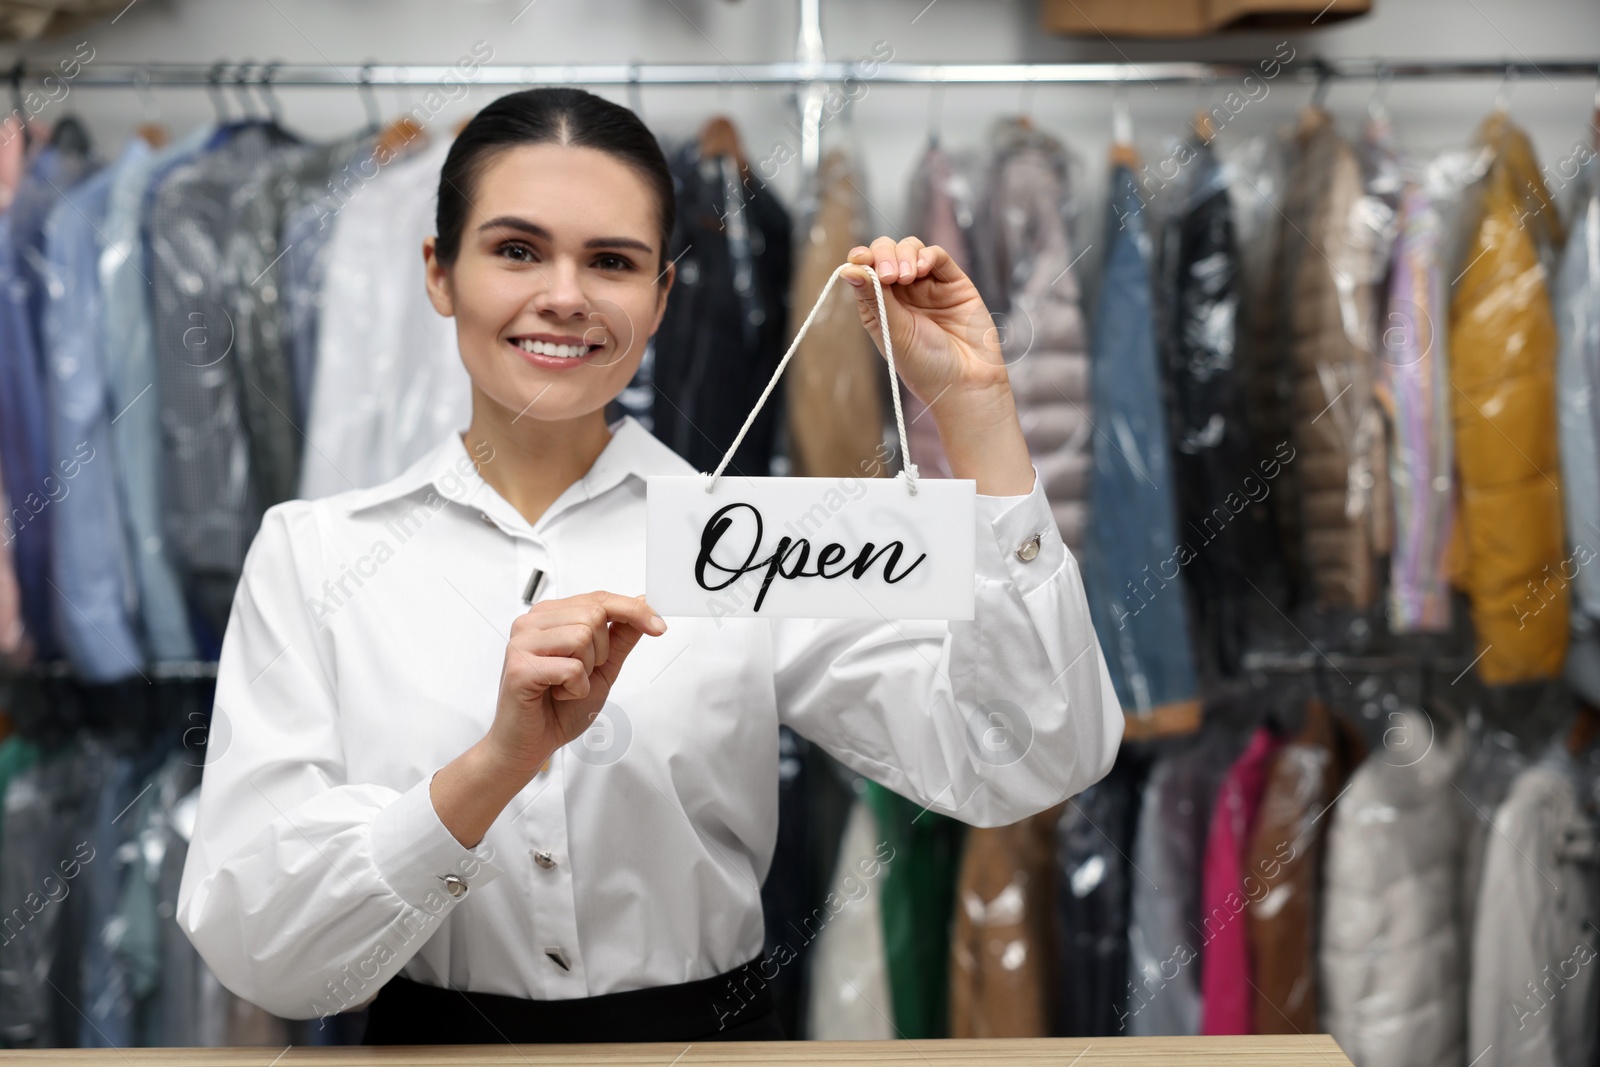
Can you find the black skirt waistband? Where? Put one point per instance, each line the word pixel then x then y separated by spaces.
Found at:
pixel 734 1006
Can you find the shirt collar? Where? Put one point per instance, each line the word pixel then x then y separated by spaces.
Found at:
pixel 448 469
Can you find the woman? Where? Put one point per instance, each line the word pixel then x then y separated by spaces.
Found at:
pixel 393 784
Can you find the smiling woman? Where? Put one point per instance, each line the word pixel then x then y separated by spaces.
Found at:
pixel 560 812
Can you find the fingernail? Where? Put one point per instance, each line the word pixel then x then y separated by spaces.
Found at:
pixel 853 280
pixel 657 622
pixel 905 267
pixel 885 268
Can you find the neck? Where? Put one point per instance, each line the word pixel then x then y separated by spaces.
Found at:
pixel 533 461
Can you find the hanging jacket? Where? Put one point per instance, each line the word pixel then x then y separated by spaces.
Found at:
pixel 835 381
pixel 1283 869
pixel 1390 955
pixel 1225 978
pixel 1414 391
pixel 1220 498
pixel 919 890
pixel 1503 407
pixel 1165 929
pixel 942 213
pixel 1333 265
pixel 727 321
pixel 1132 536
pixel 1002 948
pixel 201 262
pixel 1577 311
pixel 1535 943
pixel 1031 286
pixel 1093 841
pixel 849 996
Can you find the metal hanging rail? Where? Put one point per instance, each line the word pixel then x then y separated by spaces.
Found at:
pixel 358 75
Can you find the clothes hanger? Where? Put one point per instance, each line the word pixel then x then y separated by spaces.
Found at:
pixel 718 137
pixel 936 105
pixel 70 135
pixel 1122 150
pixel 150 130
pixel 369 101
pixel 247 106
pixel 1377 107
pixel 635 91
pixel 219 103
pixel 1315 110
pixel 1502 97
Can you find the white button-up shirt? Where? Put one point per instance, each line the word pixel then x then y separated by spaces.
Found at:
pixel 364 652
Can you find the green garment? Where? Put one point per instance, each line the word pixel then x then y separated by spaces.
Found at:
pixel 918 902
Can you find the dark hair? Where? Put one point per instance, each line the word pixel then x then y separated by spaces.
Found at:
pixel 548 116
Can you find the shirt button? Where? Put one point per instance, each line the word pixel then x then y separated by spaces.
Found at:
pixel 455 885
pixel 558 957
pixel 543 858
pixel 1028 549
pixel 484 515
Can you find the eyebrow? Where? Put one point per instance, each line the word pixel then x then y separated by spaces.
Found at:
pixel 533 229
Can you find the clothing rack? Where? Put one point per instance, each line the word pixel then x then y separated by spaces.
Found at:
pixel 802 73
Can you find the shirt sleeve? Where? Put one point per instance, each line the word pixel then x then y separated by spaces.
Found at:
pixel 303 891
pixel 988 720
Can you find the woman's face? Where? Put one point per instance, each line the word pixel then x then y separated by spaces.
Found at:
pixel 555 289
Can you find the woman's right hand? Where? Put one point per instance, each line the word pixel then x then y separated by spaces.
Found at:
pixel 561 661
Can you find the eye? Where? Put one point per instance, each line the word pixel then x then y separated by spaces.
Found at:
pixel 516 251
pixel 612 261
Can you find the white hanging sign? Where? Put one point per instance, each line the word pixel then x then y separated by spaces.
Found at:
pixel 854 548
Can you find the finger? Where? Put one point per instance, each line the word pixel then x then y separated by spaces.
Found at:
pixel 624 638
pixel 885 259
pixel 573 641
pixel 564 677
pixel 908 250
pixel 942 266
pixel 630 609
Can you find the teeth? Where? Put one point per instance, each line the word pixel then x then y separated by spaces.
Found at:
pixel 544 348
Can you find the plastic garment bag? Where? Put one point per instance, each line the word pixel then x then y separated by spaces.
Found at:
pixel 1283 868
pixel 1493 761
pixel 1029 284
pixel 1002 950
pixel 1391 948
pixel 1333 259
pixel 835 382
pixel 727 318
pixel 1219 497
pixel 1577 311
pixel 849 985
pixel 1165 941
pixel 1503 370
pixel 1228 998
pixel 918 894
pixel 1414 390
pixel 1136 592
pixel 389 379
pixel 1093 840
pixel 1536 936
pixel 943 212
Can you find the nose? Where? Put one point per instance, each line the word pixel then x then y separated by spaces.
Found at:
pixel 558 292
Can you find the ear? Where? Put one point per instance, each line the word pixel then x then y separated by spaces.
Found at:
pixel 438 278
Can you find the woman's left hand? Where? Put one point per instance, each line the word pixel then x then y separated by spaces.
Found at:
pixel 944 337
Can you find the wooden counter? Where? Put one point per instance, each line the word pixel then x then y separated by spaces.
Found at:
pixel 1299 1051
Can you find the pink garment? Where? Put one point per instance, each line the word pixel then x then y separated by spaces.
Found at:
pixel 15 647
pixel 11 159
pixel 1227 998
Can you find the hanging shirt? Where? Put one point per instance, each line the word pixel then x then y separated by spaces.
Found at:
pixel 364 652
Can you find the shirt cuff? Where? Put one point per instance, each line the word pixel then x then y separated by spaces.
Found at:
pixel 415 853
pixel 1007 525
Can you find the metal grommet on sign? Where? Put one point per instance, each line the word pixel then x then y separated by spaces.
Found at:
pixel 455 885
pixel 1028 549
